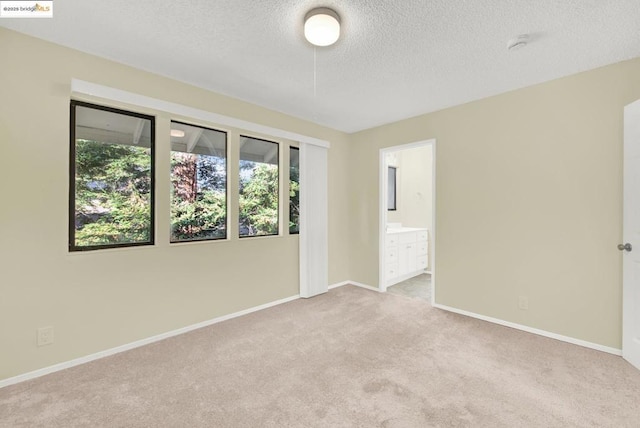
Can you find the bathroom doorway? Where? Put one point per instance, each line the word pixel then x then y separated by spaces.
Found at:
pixel 407 220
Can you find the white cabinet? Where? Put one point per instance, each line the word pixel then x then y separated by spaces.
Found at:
pixel 391 257
pixel 406 254
pixel 422 251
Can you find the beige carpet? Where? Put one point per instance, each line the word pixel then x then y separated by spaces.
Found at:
pixel 349 358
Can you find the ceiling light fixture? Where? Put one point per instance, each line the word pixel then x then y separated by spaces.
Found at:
pixel 177 133
pixel 322 26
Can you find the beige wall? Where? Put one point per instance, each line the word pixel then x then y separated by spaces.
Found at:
pixel 529 202
pixel 101 299
pixel 414 176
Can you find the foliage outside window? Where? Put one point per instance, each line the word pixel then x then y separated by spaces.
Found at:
pixel 259 187
pixel 198 183
pixel 294 190
pixel 111 178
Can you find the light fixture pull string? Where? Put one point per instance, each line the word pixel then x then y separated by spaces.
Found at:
pixel 315 84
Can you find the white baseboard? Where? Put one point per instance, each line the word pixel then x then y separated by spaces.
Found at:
pixel 338 284
pixel 82 360
pixel 539 332
pixel 357 284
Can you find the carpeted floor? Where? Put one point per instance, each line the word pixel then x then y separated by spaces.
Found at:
pixel 349 358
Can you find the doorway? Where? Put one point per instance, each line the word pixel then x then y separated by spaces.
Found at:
pixel 407 219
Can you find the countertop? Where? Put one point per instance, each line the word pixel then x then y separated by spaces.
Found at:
pixel 405 229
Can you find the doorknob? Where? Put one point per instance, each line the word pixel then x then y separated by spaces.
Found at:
pixel 624 247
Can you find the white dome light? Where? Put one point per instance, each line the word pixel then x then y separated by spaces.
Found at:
pixel 322 26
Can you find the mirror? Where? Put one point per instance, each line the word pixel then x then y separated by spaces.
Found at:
pixel 391 188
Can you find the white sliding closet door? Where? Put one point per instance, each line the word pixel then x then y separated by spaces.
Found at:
pixel 314 245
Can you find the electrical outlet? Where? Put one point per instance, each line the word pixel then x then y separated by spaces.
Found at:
pixel 523 303
pixel 45 336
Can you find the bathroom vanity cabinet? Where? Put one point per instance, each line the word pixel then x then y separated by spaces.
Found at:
pixel 406 253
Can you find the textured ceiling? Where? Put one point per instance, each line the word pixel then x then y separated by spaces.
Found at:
pixel 395 59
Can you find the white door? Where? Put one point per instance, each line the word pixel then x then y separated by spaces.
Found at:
pixel 631 234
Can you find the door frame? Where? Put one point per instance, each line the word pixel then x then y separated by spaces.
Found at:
pixel 382 211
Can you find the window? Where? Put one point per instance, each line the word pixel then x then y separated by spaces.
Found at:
pixel 391 188
pixel 111 178
pixel 198 183
pixel 294 190
pixel 259 187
